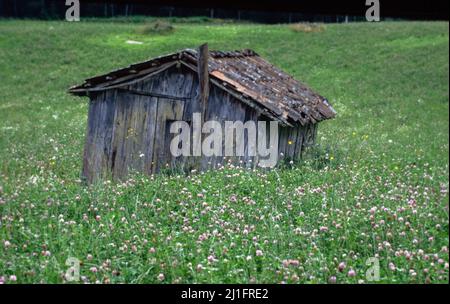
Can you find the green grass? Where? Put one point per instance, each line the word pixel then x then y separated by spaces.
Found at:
pixel 387 149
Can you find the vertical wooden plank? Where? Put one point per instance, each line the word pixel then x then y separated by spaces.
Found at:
pixel 314 138
pixel 149 129
pixel 122 132
pixel 151 109
pixel 291 138
pixel 299 143
pixel 98 136
pixel 203 76
pixel 129 154
pixel 135 134
pixel 250 115
pixel 108 127
pixel 87 171
pixel 282 142
pixel 117 135
pixel 159 135
pixel 309 135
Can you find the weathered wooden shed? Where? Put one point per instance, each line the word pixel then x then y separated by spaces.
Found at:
pixel 130 109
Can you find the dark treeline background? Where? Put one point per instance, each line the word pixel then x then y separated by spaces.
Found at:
pixel 267 11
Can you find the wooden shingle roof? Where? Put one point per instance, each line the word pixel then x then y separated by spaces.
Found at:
pixel 245 73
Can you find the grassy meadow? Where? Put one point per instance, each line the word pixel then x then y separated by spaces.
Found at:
pixel 376 185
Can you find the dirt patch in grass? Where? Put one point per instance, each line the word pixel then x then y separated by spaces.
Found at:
pixel 158 27
pixel 307 27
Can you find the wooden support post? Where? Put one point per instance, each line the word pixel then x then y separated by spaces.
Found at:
pixel 203 77
pixel 203 95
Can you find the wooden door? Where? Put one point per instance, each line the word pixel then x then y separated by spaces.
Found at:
pixel 169 110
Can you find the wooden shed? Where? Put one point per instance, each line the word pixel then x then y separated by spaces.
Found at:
pixel 130 109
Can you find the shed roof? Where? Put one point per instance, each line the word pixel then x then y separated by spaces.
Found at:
pixel 247 75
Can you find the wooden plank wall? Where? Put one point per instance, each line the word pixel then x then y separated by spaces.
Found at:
pixel 128 132
pixel 293 141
